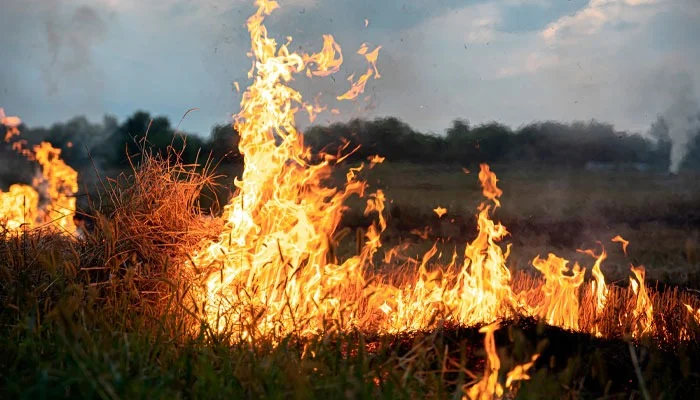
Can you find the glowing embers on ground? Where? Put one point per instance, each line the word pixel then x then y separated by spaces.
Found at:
pixel 272 271
pixel 49 202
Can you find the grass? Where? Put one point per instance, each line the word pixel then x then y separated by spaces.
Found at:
pixel 109 316
pixel 551 210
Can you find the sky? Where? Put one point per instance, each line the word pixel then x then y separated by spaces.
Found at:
pixel 511 61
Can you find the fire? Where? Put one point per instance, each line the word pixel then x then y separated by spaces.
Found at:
pixel 358 87
pixel 560 306
pixel 50 201
pixel 643 312
pixel 598 287
pixel 620 239
pixel 11 124
pixel 440 211
pixel 375 159
pixel 270 270
pixel 273 270
pixel 489 386
pixel 694 312
pixel 18 207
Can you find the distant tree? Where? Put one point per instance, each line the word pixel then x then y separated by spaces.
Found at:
pixel 223 142
pixel 136 133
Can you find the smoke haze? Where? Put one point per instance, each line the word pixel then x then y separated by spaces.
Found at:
pixel 683 120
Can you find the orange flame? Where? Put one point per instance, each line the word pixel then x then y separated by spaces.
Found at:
pixel 18 207
pixel 643 312
pixel 440 211
pixel 272 271
pixel 269 270
pixel 375 159
pixel 57 184
pixel 694 312
pixel 11 123
pixel 619 239
pixel 560 306
pixel 488 182
pixel 598 287
pixel 326 61
pixel 489 386
pixel 358 87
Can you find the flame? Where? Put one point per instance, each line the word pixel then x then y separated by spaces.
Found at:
pixel 326 61
pixel 598 287
pixel 488 182
pixel 489 386
pixel 11 123
pixel 273 271
pixel 560 306
pixel 18 207
pixel 50 201
pixel 694 312
pixel 60 183
pixel 270 270
pixel 643 312
pixel 440 211
pixel 478 292
pixel 375 159
pixel 358 87
pixel 619 239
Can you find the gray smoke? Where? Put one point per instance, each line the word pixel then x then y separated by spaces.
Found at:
pixel 683 121
pixel 70 40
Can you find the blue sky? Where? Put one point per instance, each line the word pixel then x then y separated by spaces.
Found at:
pixel 513 61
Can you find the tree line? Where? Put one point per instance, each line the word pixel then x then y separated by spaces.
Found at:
pixel 573 145
pixel 556 144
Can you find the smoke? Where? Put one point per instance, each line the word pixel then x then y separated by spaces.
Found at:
pixel 683 121
pixel 70 40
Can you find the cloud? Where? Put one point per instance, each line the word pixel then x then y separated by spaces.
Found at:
pixel 598 15
pixel 507 60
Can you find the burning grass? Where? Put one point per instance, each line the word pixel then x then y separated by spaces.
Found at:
pixel 259 301
pixel 109 316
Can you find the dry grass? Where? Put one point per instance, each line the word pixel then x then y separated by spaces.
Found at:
pixel 143 226
pixel 106 316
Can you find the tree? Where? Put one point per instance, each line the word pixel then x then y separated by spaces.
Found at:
pixel 223 142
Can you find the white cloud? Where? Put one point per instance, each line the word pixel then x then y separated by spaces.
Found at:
pixel 598 15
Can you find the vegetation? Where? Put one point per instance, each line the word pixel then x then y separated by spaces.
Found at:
pixel 108 317
pixel 553 144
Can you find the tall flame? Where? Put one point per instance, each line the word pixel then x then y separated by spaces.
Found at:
pixel 270 270
pixel 598 287
pixel 273 270
pixel 643 312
